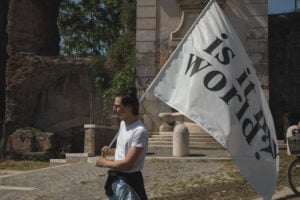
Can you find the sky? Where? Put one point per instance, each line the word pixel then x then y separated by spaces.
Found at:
pixel 282 6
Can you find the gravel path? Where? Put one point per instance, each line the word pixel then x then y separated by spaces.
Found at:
pixel 85 181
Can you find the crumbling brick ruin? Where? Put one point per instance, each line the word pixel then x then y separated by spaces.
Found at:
pixel 39 88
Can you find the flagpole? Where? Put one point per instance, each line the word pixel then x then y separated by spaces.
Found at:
pixel 176 49
pixel 113 140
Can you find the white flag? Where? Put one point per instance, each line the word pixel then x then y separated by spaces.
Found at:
pixel 210 79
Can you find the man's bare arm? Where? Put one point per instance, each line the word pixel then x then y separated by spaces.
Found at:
pixel 122 165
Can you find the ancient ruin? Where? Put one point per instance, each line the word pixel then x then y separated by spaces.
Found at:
pixel 43 90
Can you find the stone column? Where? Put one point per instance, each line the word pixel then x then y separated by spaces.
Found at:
pixel 90 138
pixel 180 141
pixel 146 41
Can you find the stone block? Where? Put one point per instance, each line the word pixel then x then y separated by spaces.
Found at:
pixel 256 1
pixel 146 2
pixel 145 47
pixel 257 21
pixel 258 33
pixel 146 71
pixel 21 141
pixel 145 23
pixel 146 35
pixel 258 45
pixel 145 59
pixel 31 145
pixel 146 12
pixel 257 9
pixel 56 162
pixel 44 141
pixel 76 157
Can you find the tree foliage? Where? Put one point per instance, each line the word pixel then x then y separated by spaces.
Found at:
pixel 89 27
pixel 105 31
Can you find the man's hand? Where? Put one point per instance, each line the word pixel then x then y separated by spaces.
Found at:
pixel 100 161
pixel 106 151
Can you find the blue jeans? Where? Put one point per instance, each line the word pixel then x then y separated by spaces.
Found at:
pixel 122 191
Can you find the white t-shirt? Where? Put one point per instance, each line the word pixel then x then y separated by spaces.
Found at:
pixel 132 135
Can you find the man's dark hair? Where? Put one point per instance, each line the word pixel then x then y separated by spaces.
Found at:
pixel 129 97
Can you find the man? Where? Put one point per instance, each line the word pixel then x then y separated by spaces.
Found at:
pixel 125 180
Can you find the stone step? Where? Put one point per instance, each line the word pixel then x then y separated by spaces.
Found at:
pixel 76 157
pixel 198 144
pixel 201 143
pixel 171 133
pixel 190 142
pixel 198 138
pixel 190 136
pixel 55 162
pixel 281 145
pixel 161 133
pixel 215 147
pixel 160 142
pixel 208 147
pixel 157 139
pixel 193 137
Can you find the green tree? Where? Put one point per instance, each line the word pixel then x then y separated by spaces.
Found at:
pixel 105 31
pixel 88 27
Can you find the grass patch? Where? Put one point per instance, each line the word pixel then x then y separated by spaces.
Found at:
pixel 22 165
pixel 226 184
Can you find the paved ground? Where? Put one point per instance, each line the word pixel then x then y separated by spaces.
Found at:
pixel 85 181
